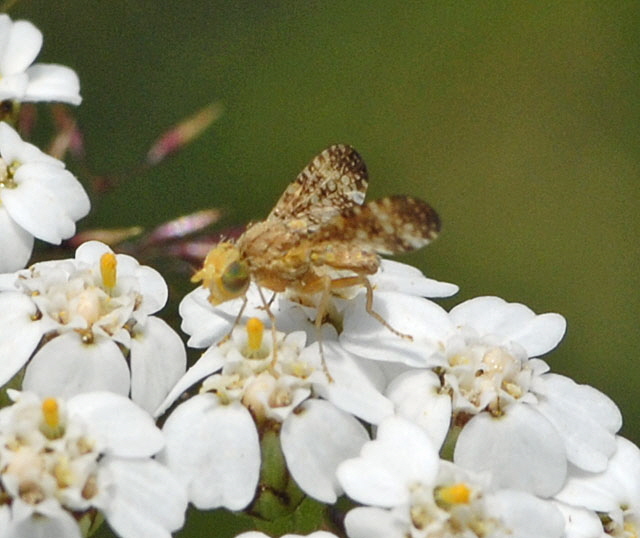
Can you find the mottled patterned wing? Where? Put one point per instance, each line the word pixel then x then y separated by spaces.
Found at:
pixel 332 183
pixel 391 225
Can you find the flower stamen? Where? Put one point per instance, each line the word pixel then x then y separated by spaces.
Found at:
pixel 255 332
pixel 52 427
pixel 108 265
pixel 454 494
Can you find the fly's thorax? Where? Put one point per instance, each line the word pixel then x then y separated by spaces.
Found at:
pixel 281 269
pixel 267 240
pixel 224 273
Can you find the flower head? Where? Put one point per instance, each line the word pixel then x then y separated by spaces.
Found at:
pixel 408 491
pixel 38 198
pixel 94 312
pixel 249 390
pixel 20 43
pixel 64 459
pixel 482 380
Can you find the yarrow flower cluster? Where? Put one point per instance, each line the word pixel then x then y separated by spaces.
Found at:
pixel 364 406
pixel 65 460
pixel 86 324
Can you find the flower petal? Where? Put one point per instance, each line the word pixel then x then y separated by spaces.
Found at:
pixel 521 449
pixel 426 323
pixel 586 418
pixel 65 366
pixel 417 397
pixel 45 524
pixel 315 440
pixel 126 429
pixel 211 361
pixel 52 82
pixel 370 522
pixel 16 244
pixel 19 332
pixel 214 450
pixel 353 389
pixel 516 510
pixel 401 454
pixel 158 360
pixel 396 276
pixel 149 502
pixel 21 48
pixel 38 208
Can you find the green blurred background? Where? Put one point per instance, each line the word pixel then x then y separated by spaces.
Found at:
pixel 518 121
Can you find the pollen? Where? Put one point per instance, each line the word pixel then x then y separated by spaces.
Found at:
pixel 50 412
pixel 255 331
pixel 630 529
pixel 108 265
pixel 63 473
pixel 51 426
pixel 455 494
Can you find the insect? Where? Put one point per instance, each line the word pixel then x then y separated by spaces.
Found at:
pixel 321 237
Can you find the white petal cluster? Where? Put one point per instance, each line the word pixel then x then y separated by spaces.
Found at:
pixel 20 43
pixel 409 491
pixel 467 382
pixel 479 376
pixel 61 460
pixel 38 198
pixel 85 324
pixel 245 392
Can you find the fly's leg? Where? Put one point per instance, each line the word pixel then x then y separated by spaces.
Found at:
pixel 321 311
pixel 349 281
pixel 272 320
pixel 235 322
pixel 369 308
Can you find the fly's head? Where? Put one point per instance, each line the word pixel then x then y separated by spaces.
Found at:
pixel 224 274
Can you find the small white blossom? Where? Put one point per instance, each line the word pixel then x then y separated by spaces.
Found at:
pixel 94 313
pixel 518 421
pixel 20 43
pixel 212 438
pixel 38 197
pixel 614 493
pixel 92 452
pixel 408 491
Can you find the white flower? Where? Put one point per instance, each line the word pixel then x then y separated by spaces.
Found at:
pixel 212 438
pixel 93 452
pixel 614 493
pixel 519 422
pixel 409 491
pixel 20 43
pixel 38 197
pixel 86 324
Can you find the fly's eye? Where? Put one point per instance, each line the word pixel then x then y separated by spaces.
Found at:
pixel 235 278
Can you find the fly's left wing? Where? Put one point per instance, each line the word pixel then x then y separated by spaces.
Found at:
pixel 333 183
